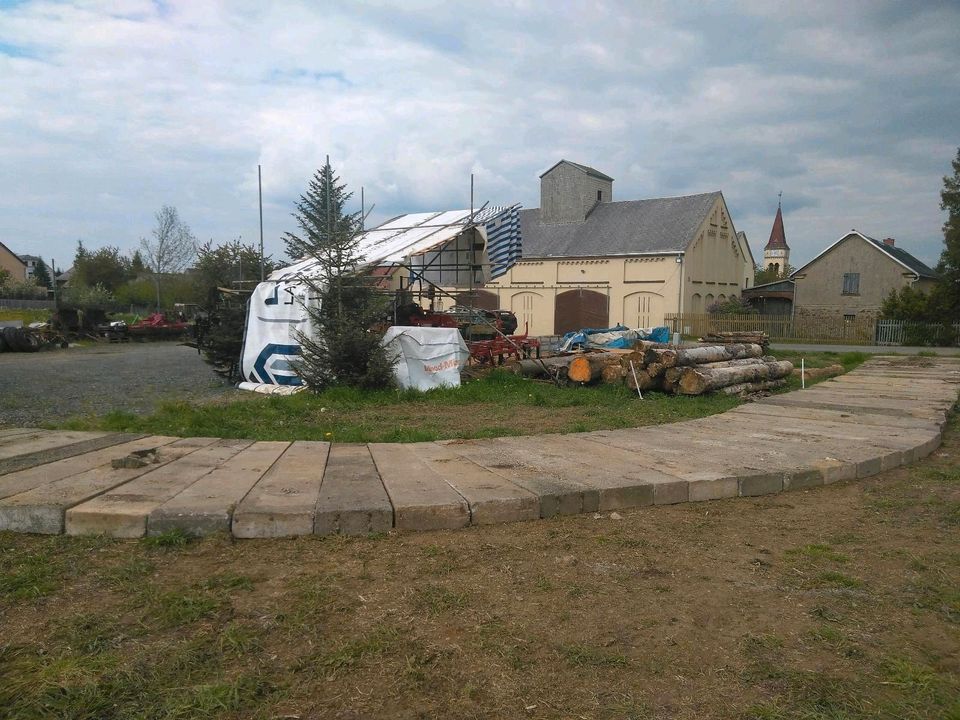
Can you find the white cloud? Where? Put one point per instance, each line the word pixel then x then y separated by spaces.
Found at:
pixel 113 109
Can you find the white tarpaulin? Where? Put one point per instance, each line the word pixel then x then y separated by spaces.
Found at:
pixel 427 357
pixel 442 248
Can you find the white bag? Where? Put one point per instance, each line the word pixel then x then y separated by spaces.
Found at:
pixel 427 357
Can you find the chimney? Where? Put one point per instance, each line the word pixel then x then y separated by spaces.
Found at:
pixel 889 242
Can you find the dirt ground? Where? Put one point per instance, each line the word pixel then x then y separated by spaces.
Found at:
pixel 838 602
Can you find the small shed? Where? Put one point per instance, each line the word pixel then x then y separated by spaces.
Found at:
pixel 775 298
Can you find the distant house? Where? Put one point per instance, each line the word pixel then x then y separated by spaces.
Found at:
pixel 12 263
pixel 588 261
pixel 33 262
pixel 773 298
pixel 853 276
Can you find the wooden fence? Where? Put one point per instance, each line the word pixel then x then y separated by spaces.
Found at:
pixel 859 331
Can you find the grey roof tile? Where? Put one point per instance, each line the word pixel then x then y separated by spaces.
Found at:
pixel 631 227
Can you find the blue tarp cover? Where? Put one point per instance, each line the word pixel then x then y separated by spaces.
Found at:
pixel 618 336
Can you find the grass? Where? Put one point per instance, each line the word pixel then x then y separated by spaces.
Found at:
pixel 25 316
pixel 495 405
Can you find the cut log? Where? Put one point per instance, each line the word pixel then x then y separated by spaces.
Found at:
pixel 644 381
pixel 540 367
pixel 698 380
pixel 715 353
pixel 667 357
pixel 747 388
pixel 814 373
pixel 612 374
pixel 655 369
pixel 737 363
pixel 587 368
pixel 671 377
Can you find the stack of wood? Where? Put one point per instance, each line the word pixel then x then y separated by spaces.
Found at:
pixel 753 337
pixel 732 369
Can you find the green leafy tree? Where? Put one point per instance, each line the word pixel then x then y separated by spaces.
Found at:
pixel 223 265
pixel 945 298
pixel 762 275
pixel 106 267
pixel 41 276
pixel 137 266
pixel 733 305
pixel 170 248
pixel 343 350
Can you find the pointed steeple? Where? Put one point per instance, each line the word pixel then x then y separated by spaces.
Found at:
pixel 778 238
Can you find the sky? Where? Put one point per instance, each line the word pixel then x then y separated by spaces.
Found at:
pixel 110 110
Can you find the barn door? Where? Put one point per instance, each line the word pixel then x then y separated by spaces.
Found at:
pixel 576 309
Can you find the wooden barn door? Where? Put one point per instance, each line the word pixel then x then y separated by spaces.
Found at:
pixel 576 309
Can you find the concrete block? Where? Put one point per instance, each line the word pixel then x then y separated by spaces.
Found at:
pixel 670 493
pixel 761 484
pixel 701 490
pixel 352 499
pixel 283 502
pixel 421 499
pixel 802 478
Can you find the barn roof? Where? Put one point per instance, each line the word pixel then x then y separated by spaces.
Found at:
pixel 631 227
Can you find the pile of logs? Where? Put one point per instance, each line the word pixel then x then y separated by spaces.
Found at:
pixel 755 337
pixel 732 369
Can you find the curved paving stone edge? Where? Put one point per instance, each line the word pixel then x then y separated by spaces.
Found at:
pixel 889 412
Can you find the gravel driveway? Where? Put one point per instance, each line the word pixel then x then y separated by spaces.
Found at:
pixel 55 385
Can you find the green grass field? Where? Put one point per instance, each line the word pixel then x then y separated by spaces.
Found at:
pixel 495 405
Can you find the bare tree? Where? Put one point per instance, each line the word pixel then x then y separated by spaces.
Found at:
pixel 172 248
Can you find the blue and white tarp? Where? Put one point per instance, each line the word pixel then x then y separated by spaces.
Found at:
pixel 503 238
pixel 619 336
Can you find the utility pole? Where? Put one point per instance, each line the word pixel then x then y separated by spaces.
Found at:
pixel 260 197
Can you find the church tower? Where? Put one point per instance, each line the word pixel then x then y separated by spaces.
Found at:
pixel 776 254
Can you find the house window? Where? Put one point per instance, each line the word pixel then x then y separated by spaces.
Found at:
pixel 599 195
pixel 849 318
pixel 851 283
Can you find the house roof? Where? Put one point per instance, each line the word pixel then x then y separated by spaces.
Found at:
pixel 631 227
pixel 12 252
pixel 585 168
pixel 898 255
pixel 778 239
pixel 784 285
pixel 742 237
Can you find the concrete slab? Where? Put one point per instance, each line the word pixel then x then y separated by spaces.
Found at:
pixel 93 441
pixel 37 476
pixel 559 494
pixel 13 435
pixel 352 499
pixel 46 441
pixel 42 508
pixel 283 503
pixel 491 497
pixel 206 506
pixel 785 413
pixel 618 485
pixel 123 512
pixel 421 499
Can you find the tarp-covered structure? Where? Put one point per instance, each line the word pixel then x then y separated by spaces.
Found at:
pixel 454 248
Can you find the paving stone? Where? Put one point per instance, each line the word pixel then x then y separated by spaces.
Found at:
pixel 421 499
pixel 559 494
pixel 14 435
pixel 283 503
pixel 91 441
pixel 45 441
pixel 123 511
pixel 805 413
pixel 39 475
pixel 352 498
pixel 206 506
pixel 491 497
pixel 618 485
pixel 42 508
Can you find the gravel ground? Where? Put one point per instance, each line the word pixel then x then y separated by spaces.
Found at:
pixel 54 385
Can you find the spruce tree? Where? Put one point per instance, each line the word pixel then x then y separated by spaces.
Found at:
pixel 343 350
pixel 946 296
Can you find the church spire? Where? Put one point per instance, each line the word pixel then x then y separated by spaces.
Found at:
pixel 776 254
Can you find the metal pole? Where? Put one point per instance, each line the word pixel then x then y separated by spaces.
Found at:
pixel 363 208
pixel 260 197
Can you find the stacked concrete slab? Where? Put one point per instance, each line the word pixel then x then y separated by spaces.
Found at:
pixel 889 412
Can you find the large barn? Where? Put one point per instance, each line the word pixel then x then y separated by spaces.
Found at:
pixel 588 261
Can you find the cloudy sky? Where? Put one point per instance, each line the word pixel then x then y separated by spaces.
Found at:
pixel 109 110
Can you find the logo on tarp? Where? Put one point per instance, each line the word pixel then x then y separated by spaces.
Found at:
pixel 273 365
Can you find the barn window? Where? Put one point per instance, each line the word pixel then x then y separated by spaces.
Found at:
pixel 851 283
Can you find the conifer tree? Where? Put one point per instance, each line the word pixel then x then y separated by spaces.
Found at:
pixel 343 350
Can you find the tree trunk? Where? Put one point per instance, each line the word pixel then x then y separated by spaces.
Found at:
pixel 698 380
pixel 814 373
pixel 752 387
pixel 738 363
pixel 667 357
pixel 540 367
pixel 715 353
pixel 613 374
pixel 643 381
pixel 671 377
pixel 586 368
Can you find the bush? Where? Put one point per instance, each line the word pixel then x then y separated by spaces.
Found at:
pixel 733 305
pixel 21 290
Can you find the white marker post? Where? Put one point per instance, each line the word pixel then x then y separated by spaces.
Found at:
pixel 803 375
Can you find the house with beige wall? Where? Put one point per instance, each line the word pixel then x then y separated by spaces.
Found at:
pixel 10 262
pixel 855 275
pixel 590 261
